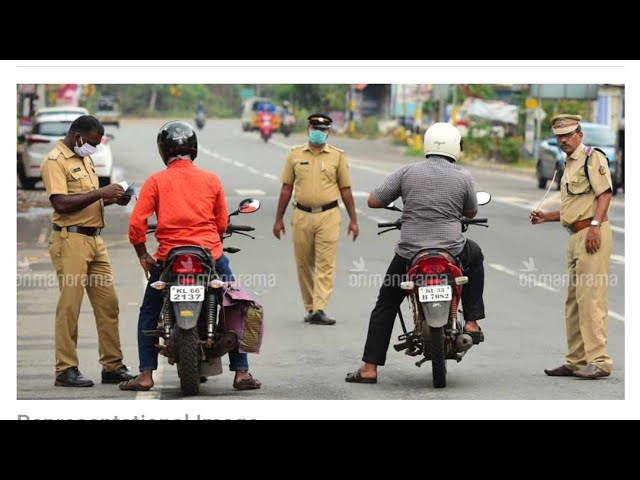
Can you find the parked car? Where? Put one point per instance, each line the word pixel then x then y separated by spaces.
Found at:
pixel 551 157
pixel 107 111
pixel 47 129
pixel 48 111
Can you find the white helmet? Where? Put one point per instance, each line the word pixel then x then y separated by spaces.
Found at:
pixel 443 139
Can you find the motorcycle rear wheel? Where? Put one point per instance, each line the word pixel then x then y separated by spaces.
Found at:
pixel 438 360
pixel 187 343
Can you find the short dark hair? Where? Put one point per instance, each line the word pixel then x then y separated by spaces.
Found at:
pixel 578 129
pixel 87 124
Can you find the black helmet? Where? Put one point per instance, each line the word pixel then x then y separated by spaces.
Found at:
pixel 176 139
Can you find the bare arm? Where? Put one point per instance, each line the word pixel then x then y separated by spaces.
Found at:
pixel 347 198
pixel 285 197
pixel 373 202
pixel 75 203
pixel 538 216
pixel 470 213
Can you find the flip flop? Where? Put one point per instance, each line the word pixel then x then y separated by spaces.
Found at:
pixel 355 377
pixel 476 336
pixel 133 386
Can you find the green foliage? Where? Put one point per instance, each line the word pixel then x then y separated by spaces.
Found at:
pixel 369 127
pixel 481 144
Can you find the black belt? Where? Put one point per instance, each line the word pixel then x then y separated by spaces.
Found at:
pixel 323 208
pixel 89 231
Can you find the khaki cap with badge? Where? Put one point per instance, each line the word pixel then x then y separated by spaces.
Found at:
pixel 564 123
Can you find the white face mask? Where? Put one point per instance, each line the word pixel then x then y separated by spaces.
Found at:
pixel 85 150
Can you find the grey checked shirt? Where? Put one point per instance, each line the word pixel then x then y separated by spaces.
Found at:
pixel 434 192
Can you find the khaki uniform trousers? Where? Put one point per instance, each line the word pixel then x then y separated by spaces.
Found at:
pixel 82 262
pixel 587 304
pixel 315 245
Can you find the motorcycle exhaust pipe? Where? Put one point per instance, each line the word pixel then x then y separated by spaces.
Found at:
pixel 464 342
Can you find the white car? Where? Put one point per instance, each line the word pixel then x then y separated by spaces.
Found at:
pixel 47 129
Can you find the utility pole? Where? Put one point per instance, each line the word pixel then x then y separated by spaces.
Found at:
pixel 417 123
pixel 352 109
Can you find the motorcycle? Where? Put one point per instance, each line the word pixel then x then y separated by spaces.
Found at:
pixel 433 287
pixel 188 323
pixel 288 122
pixel 200 120
pixel 266 125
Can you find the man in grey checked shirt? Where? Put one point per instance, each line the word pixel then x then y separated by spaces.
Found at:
pixel 436 193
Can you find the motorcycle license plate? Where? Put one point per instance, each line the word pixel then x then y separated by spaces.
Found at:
pixel 435 293
pixel 182 293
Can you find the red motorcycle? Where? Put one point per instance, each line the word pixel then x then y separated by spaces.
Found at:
pixel 266 125
pixel 434 289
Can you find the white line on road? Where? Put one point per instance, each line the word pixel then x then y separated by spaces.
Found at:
pixel 270 176
pixel 254 170
pixel 617 258
pixel 249 191
pixel 238 164
pixel 616 316
pixel 362 194
pixel 512 273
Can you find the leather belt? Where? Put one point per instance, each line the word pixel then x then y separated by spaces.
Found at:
pixel 89 231
pixel 581 225
pixel 323 208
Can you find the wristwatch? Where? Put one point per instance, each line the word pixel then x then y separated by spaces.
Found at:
pixel 595 223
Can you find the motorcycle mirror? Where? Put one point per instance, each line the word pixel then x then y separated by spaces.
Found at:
pixel 249 205
pixel 483 198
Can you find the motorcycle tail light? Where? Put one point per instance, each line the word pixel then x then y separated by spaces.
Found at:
pixel 433 266
pixel 434 281
pixel 184 264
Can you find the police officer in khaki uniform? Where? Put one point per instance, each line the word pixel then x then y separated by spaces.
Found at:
pixel 79 254
pixel 585 196
pixel 316 173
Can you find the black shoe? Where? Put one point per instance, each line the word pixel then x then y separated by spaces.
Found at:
pixel 118 375
pixel 307 317
pixel 320 318
pixel 72 377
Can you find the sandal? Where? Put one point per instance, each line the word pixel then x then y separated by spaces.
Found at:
pixel 476 336
pixel 247 384
pixel 355 377
pixel 133 386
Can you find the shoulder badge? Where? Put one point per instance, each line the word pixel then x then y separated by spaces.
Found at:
pixel 54 155
pixel 602 170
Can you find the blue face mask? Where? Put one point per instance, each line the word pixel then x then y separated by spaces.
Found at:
pixel 317 137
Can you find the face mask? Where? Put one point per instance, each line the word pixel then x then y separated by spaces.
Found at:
pixel 317 137
pixel 85 150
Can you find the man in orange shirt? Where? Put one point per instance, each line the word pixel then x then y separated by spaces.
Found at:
pixel 191 209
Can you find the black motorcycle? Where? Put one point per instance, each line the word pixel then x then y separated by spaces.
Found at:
pixel 188 323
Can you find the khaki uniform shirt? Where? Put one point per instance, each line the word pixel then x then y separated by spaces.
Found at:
pixel 64 173
pixel 579 201
pixel 317 179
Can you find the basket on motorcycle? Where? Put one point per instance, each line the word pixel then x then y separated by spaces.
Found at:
pixel 243 316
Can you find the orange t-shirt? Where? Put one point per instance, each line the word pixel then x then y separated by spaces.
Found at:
pixel 190 206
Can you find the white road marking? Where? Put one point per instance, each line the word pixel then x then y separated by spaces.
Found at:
pixel 616 316
pixel 617 229
pixel 271 176
pixel 362 194
pixel 248 191
pixel 512 273
pixel 254 170
pixel 617 258
pixel 238 164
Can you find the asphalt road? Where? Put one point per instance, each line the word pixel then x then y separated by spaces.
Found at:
pixel 524 292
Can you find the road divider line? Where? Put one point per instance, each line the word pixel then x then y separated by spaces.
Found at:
pixel 617 258
pixel 271 176
pixel 616 316
pixel 254 170
pixel 512 273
